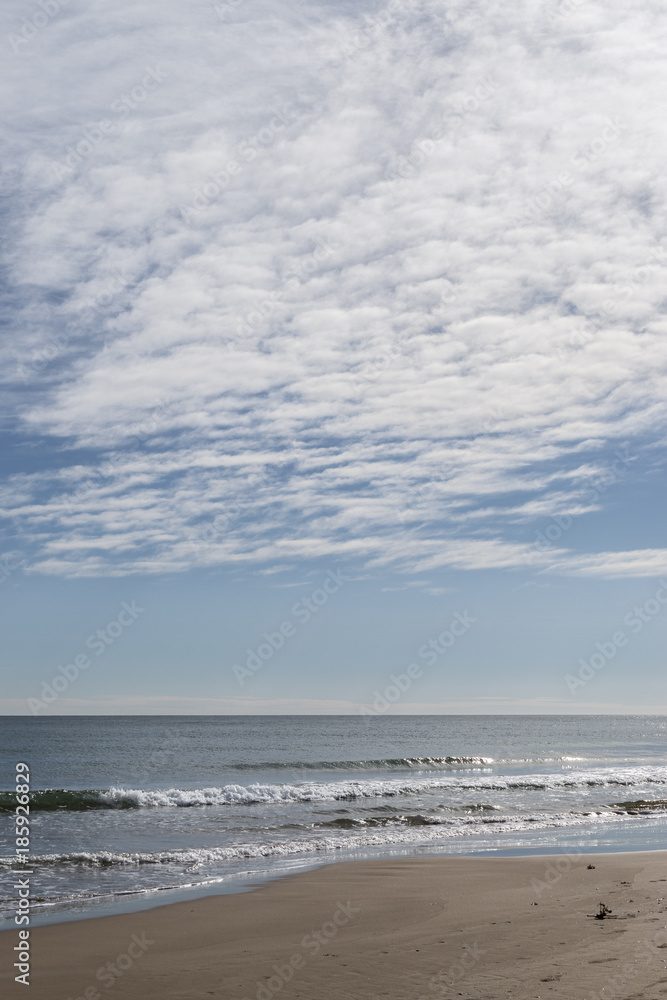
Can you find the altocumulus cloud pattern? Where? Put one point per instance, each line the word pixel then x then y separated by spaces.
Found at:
pixel 382 283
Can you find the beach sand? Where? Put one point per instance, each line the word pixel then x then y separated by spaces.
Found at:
pixel 419 927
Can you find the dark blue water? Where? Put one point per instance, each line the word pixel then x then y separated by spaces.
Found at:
pixel 142 807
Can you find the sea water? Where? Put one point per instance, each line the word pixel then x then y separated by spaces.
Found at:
pixel 140 810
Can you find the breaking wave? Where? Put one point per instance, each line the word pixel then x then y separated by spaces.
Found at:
pixel 319 791
pixel 379 764
pixel 414 830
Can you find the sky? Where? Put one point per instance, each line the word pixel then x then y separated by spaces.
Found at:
pixel 333 357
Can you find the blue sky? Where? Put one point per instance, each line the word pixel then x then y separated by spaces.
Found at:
pixel 367 294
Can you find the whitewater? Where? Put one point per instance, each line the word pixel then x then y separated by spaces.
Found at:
pixel 132 811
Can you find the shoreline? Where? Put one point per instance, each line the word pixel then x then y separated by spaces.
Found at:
pixel 396 927
pixel 233 885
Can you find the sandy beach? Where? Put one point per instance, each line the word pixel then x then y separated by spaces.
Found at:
pixel 419 927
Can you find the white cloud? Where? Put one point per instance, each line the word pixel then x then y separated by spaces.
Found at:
pixel 421 302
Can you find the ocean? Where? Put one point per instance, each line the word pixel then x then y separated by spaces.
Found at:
pixel 128 812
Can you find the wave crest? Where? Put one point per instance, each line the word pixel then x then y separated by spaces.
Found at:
pixel 432 830
pixel 319 791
